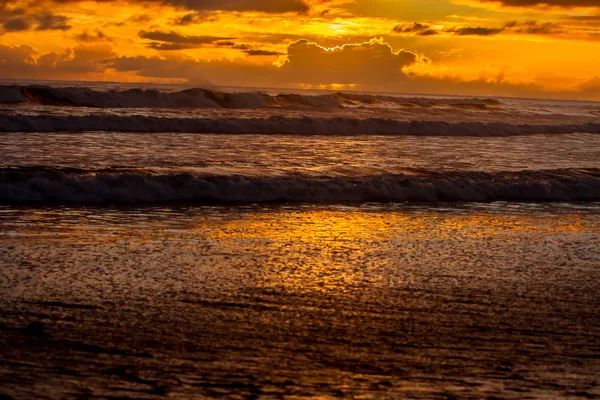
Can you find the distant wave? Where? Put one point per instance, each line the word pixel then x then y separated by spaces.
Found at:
pixel 278 125
pixel 120 186
pixel 204 98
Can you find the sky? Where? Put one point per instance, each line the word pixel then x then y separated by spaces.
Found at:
pixel 521 48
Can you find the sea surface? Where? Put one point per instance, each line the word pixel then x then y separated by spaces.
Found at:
pixel 173 242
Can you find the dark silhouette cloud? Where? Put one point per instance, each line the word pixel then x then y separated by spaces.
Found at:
pixel 262 53
pixel 16 19
pixel 278 6
pixel 198 17
pixel 225 43
pixel 16 24
pixel 176 41
pixel 428 32
pixel 415 27
pixel 519 27
pixel 49 21
pixel 171 46
pixel 269 6
pixel 476 31
pixel 557 3
pixel 97 36
pixel 533 27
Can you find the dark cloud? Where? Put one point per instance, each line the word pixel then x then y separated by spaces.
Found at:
pixel 15 19
pixel 428 32
pixel 197 72
pixel 16 24
pixel 176 41
pixel 97 36
pixel 421 29
pixel 519 27
pixel 417 28
pixel 476 31
pixel 533 27
pixel 262 53
pixel 199 17
pixel 270 6
pixel 225 43
pixel 556 3
pixel 49 21
pixel 171 46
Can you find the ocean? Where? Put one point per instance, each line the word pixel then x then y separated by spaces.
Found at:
pixel 164 241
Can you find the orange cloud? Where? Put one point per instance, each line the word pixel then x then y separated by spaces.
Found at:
pixel 363 63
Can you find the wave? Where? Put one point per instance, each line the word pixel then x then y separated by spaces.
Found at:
pixel 278 125
pixel 121 186
pixel 204 98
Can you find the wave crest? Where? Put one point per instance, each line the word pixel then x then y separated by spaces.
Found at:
pixel 278 125
pixel 204 98
pixel 114 186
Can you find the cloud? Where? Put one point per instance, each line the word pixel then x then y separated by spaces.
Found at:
pixel 552 3
pixel 199 17
pixel 15 19
pixel 97 36
pixel 22 62
pixel 371 65
pixel 476 31
pixel 591 85
pixel 533 27
pixel 16 58
pixel 171 46
pixel 225 43
pixel 410 27
pixel 16 24
pixel 268 6
pixel 364 63
pixel 175 41
pixel 262 53
pixel 197 72
pixel 49 21
pixel 529 27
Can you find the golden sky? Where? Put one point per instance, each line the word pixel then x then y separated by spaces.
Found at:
pixel 479 47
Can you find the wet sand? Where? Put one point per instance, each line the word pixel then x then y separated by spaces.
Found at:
pixel 481 301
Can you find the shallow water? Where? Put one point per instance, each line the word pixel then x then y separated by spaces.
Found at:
pixel 281 154
pixel 449 301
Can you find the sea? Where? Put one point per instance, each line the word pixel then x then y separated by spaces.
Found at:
pixel 165 241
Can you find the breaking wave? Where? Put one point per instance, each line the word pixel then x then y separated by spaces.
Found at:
pixel 278 125
pixel 121 186
pixel 204 98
